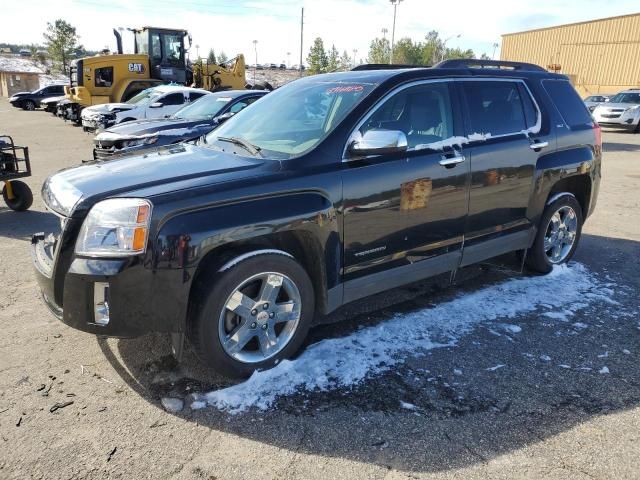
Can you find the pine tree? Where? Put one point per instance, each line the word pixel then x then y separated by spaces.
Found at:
pixel 222 57
pixel 61 41
pixel 333 61
pixel 211 58
pixel 345 61
pixel 317 59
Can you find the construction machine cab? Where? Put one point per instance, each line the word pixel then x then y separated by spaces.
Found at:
pixel 166 51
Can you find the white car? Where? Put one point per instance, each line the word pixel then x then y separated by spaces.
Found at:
pixel 592 101
pixel 621 111
pixel 155 102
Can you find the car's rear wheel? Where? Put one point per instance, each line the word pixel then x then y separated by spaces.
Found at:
pixel 255 313
pixel 558 236
pixel 29 105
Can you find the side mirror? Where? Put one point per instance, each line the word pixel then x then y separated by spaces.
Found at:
pixel 156 105
pixel 224 117
pixel 379 142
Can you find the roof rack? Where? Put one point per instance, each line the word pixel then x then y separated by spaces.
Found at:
pixel 499 64
pixel 385 66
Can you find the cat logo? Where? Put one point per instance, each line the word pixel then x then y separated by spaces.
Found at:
pixel 136 67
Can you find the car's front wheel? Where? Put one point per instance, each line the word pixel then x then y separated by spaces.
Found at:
pixel 252 313
pixel 558 234
pixel 29 105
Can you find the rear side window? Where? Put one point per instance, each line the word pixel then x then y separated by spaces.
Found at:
pixel 568 103
pixel 173 99
pixel 193 96
pixel 496 108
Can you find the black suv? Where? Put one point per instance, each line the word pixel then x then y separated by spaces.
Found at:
pixel 332 188
pixel 31 100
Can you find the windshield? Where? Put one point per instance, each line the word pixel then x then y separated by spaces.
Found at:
pixel 145 96
pixel 293 119
pixel 208 106
pixel 625 98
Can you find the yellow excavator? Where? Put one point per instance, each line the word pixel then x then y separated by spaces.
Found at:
pixel 159 57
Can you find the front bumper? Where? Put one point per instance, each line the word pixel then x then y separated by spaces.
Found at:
pixel 628 119
pixel 96 123
pixel 139 299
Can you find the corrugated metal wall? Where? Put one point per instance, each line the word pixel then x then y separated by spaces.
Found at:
pixel 601 56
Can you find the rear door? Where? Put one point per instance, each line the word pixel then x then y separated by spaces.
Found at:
pixel 504 125
pixel 403 208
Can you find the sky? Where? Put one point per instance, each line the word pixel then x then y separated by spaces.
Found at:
pixel 232 25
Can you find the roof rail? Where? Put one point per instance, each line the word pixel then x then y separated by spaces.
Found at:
pixel 385 66
pixel 499 64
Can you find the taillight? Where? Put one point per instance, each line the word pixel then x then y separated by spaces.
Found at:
pixel 598 132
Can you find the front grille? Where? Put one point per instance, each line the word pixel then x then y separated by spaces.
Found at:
pixel 610 115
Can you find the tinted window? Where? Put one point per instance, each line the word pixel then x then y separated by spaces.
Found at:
pixel 236 107
pixel 422 112
pixel 103 77
pixel 173 99
pixel 568 103
pixel 155 46
pixel 195 95
pixel 494 107
pixel 530 110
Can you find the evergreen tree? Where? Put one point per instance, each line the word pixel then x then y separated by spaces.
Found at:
pixel 379 51
pixel 345 61
pixel 211 58
pixel 333 60
pixel 317 58
pixel 61 41
pixel 222 57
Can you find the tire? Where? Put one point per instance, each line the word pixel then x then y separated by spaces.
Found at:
pixel 637 129
pixel 22 196
pixel 213 325
pixel 29 105
pixel 541 257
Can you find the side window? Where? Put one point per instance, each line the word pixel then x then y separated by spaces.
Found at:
pixel 173 99
pixel 494 107
pixel 423 113
pixel 156 52
pixel 193 96
pixel 236 107
pixel 103 77
pixel 573 110
pixel 530 110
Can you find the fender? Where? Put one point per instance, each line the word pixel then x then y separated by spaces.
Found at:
pixel 560 165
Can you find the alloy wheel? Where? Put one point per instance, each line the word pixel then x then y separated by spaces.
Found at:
pixel 560 234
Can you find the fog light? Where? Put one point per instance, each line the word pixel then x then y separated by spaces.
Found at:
pixel 100 303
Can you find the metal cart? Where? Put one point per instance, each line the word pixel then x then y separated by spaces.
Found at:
pixel 14 164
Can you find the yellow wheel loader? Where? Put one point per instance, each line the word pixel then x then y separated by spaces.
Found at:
pixel 159 57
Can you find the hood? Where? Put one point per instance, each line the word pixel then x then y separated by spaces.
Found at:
pixel 166 126
pixel 617 106
pixel 74 190
pixel 21 94
pixel 108 108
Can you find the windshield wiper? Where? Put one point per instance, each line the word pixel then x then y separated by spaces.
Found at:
pixel 248 146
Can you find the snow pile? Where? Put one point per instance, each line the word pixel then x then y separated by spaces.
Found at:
pixel 347 361
pixel 19 65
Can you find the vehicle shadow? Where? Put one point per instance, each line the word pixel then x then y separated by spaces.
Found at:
pixel 452 407
pixel 21 225
pixel 620 147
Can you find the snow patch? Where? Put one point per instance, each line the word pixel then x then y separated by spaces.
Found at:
pixel 604 370
pixel 370 351
pixel 493 369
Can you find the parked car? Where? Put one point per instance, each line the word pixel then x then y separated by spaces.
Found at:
pixel 32 100
pixel 273 66
pixel 155 102
pixel 331 188
pixel 50 104
pixel 592 101
pixel 190 122
pixel 621 111
pixel 282 66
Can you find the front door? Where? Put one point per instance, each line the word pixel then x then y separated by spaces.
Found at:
pixel 400 209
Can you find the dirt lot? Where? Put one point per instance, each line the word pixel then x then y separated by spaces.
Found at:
pixel 536 377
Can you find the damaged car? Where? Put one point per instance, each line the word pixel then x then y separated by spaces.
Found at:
pixel 155 102
pixel 188 123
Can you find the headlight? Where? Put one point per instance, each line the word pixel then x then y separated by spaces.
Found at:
pixel 12 99
pixel 114 228
pixel 139 141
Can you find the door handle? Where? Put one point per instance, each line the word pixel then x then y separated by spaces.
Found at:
pixel 450 162
pixel 538 145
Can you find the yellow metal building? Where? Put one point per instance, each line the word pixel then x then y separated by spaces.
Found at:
pixel 599 56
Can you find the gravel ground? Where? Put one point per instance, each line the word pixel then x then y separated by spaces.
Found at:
pixel 541 397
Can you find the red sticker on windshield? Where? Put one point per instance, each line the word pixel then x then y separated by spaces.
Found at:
pixel 346 89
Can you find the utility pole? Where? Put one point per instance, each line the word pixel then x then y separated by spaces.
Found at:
pixel 255 65
pixel 198 51
pixel 393 30
pixel 301 36
pixel 444 46
pixel 355 52
pixel 288 59
pixel 495 46
pixel 384 33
